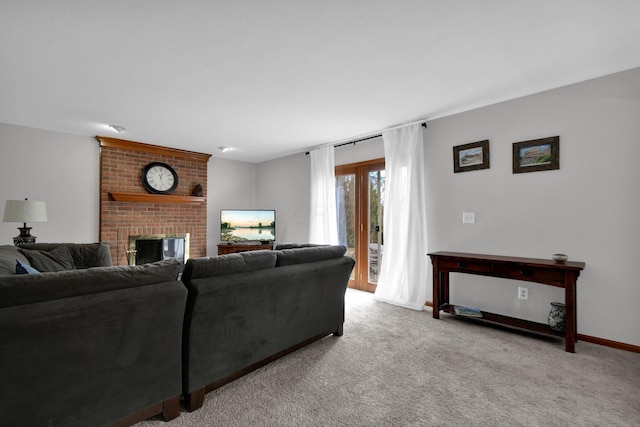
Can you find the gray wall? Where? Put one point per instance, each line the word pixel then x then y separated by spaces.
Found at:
pixel 585 209
pixel 283 184
pixel 59 168
pixel 230 185
pixel 64 170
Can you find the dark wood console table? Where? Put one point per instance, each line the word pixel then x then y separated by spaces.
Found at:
pixel 548 272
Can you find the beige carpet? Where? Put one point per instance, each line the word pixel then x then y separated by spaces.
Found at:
pixel 399 367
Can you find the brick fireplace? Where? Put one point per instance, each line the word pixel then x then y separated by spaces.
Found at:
pixel 127 209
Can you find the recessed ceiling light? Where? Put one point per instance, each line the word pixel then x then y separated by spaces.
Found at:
pixel 117 128
pixel 224 149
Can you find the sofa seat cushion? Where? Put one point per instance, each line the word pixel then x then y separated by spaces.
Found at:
pixel 242 262
pixel 57 259
pixel 308 254
pixel 20 289
pixel 9 254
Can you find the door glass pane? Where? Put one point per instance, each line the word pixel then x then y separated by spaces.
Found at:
pixel 346 205
pixel 376 217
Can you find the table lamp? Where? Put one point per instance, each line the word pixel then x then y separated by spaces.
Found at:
pixel 25 211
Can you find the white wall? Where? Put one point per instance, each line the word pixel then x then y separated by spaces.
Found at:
pixel 586 208
pixel 60 168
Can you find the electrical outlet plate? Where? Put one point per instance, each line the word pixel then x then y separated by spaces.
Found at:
pixel 523 293
pixel 468 217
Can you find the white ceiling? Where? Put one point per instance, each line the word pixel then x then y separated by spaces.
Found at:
pixel 273 78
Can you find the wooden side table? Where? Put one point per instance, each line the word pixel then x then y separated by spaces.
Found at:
pixel 548 272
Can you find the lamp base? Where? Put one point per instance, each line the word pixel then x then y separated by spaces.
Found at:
pixel 24 237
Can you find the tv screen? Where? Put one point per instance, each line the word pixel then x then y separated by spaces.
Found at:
pixel 242 225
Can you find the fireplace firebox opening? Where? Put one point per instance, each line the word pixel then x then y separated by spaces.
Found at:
pixel 144 249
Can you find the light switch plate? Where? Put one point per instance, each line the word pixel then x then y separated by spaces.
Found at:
pixel 468 217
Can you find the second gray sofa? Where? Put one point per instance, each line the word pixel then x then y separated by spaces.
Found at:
pixel 245 310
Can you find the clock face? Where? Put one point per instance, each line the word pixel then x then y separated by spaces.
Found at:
pixel 159 178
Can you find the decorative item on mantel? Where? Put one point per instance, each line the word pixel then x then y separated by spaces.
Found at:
pixel 557 317
pixel 560 258
pixel 197 191
pixel 25 211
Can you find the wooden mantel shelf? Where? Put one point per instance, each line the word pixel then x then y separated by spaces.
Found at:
pixel 156 198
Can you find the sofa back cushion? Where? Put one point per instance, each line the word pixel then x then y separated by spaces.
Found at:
pixel 85 255
pixel 197 268
pixel 9 254
pixel 57 259
pixel 308 254
pixel 32 288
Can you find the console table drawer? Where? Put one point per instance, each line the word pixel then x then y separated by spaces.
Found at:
pixel 468 266
pixel 551 277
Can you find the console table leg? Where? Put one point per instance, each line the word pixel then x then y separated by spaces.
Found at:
pixel 436 292
pixel 444 298
pixel 570 315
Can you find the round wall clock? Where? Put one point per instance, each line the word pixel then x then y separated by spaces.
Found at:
pixel 159 178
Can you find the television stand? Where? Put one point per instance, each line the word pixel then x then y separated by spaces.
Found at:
pixel 232 248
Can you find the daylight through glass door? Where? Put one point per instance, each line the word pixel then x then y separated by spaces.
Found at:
pixel 360 202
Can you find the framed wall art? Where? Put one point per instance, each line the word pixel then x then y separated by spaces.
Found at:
pixel 470 157
pixel 536 155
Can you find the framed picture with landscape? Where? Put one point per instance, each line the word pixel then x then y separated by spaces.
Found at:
pixel 470 157
pixel 536 155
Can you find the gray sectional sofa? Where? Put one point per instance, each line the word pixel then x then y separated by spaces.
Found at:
pixel 91 345
pixel 86 343
pixel 247 309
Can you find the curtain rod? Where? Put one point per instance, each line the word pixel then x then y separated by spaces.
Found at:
pixel 376 135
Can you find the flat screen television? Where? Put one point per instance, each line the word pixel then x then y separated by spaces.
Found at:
pixel 247 225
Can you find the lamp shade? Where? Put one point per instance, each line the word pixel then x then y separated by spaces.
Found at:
pixel 25 211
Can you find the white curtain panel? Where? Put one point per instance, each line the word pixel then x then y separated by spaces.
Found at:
pixel 403 271
pixel 323 223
